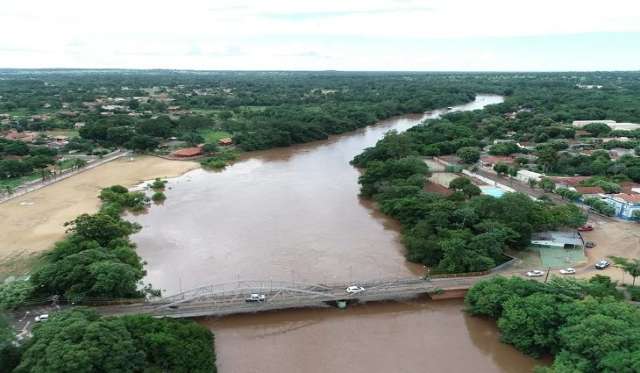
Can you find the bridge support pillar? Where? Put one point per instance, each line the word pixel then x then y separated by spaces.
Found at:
pixel 342 304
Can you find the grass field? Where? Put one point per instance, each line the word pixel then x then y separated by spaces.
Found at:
pixel 17 181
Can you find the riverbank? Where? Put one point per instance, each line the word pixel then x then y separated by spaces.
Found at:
pixel 33 222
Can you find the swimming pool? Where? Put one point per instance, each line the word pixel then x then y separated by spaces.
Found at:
pixel 492 191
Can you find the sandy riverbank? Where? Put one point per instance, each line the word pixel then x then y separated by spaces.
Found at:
pixel 33 222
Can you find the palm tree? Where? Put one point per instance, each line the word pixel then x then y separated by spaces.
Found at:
pixel 631 266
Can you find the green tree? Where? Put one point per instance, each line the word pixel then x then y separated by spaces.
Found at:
pixel 547 184
pixel 597 129
pixel 530 323
pixel 9 351
pixel 101 228
pixel 469 154
pixel 631 266
pixel 158 197
pixel 501 169
pixel 79 341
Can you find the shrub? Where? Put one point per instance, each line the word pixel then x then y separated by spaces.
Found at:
pixel 158 197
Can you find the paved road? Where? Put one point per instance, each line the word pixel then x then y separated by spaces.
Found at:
pixel 282 298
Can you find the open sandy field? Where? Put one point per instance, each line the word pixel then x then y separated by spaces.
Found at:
pixel 615 238
pixel 33 222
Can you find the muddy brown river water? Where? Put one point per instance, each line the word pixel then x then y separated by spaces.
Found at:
pixel 293 214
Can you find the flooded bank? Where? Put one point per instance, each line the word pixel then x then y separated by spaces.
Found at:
pixel 293 214
pixel 35 221
pixel 288 214
pixel 420 336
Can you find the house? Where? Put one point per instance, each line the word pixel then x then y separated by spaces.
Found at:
pixel 558 239
pixel 490 161
pixel 188 152
pixel 526 175
pixel 225 141
pixel 624 204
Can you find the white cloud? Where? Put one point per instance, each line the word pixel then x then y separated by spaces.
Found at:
pixel 258 34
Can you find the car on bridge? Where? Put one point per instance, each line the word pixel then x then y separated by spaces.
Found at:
pixel 535 273
pixel 354 289
pixel 568 271
pixel 254 298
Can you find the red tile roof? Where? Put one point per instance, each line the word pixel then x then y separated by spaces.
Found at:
pixel 631 198
pixel 188 152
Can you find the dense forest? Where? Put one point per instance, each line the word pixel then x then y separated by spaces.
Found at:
pixel 81 341
pixel 150 111
pixel 465 232
pixel 586 325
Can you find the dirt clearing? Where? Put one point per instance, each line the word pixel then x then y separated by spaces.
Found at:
pixel 33 222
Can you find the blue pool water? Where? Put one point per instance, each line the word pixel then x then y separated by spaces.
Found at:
pixel 492 191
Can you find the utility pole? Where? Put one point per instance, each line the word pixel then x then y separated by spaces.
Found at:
pixel 547 276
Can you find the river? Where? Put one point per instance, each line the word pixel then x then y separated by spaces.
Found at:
pixel 294 214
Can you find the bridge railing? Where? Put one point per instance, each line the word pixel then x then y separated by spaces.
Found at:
pixel 244 287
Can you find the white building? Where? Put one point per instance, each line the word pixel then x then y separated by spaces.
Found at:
pixel 624 204
pixel 526 175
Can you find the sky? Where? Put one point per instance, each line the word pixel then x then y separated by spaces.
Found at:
pixel 417 35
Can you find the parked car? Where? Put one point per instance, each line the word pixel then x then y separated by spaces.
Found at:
pixel 43 317
pixel 535 273
pixel 589 244
pixel 586 228
pixel 354 289
pixel 602 264
pixel 568 271
pixel 253 298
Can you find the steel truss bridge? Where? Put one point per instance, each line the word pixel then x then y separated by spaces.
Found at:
pixel 230 298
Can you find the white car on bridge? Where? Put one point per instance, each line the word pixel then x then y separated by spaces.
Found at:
pixel 568 271
pixel 535 273
pixel 354 289
pixel 253 298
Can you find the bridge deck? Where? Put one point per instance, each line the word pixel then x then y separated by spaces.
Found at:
pixel 220 302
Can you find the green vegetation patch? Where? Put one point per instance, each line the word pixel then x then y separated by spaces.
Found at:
pixel 212 135
pixel 586 325
pixel 82 341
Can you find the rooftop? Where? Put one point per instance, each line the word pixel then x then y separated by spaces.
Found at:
pixel 188 152
pixel 628 197
pixel 563 237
